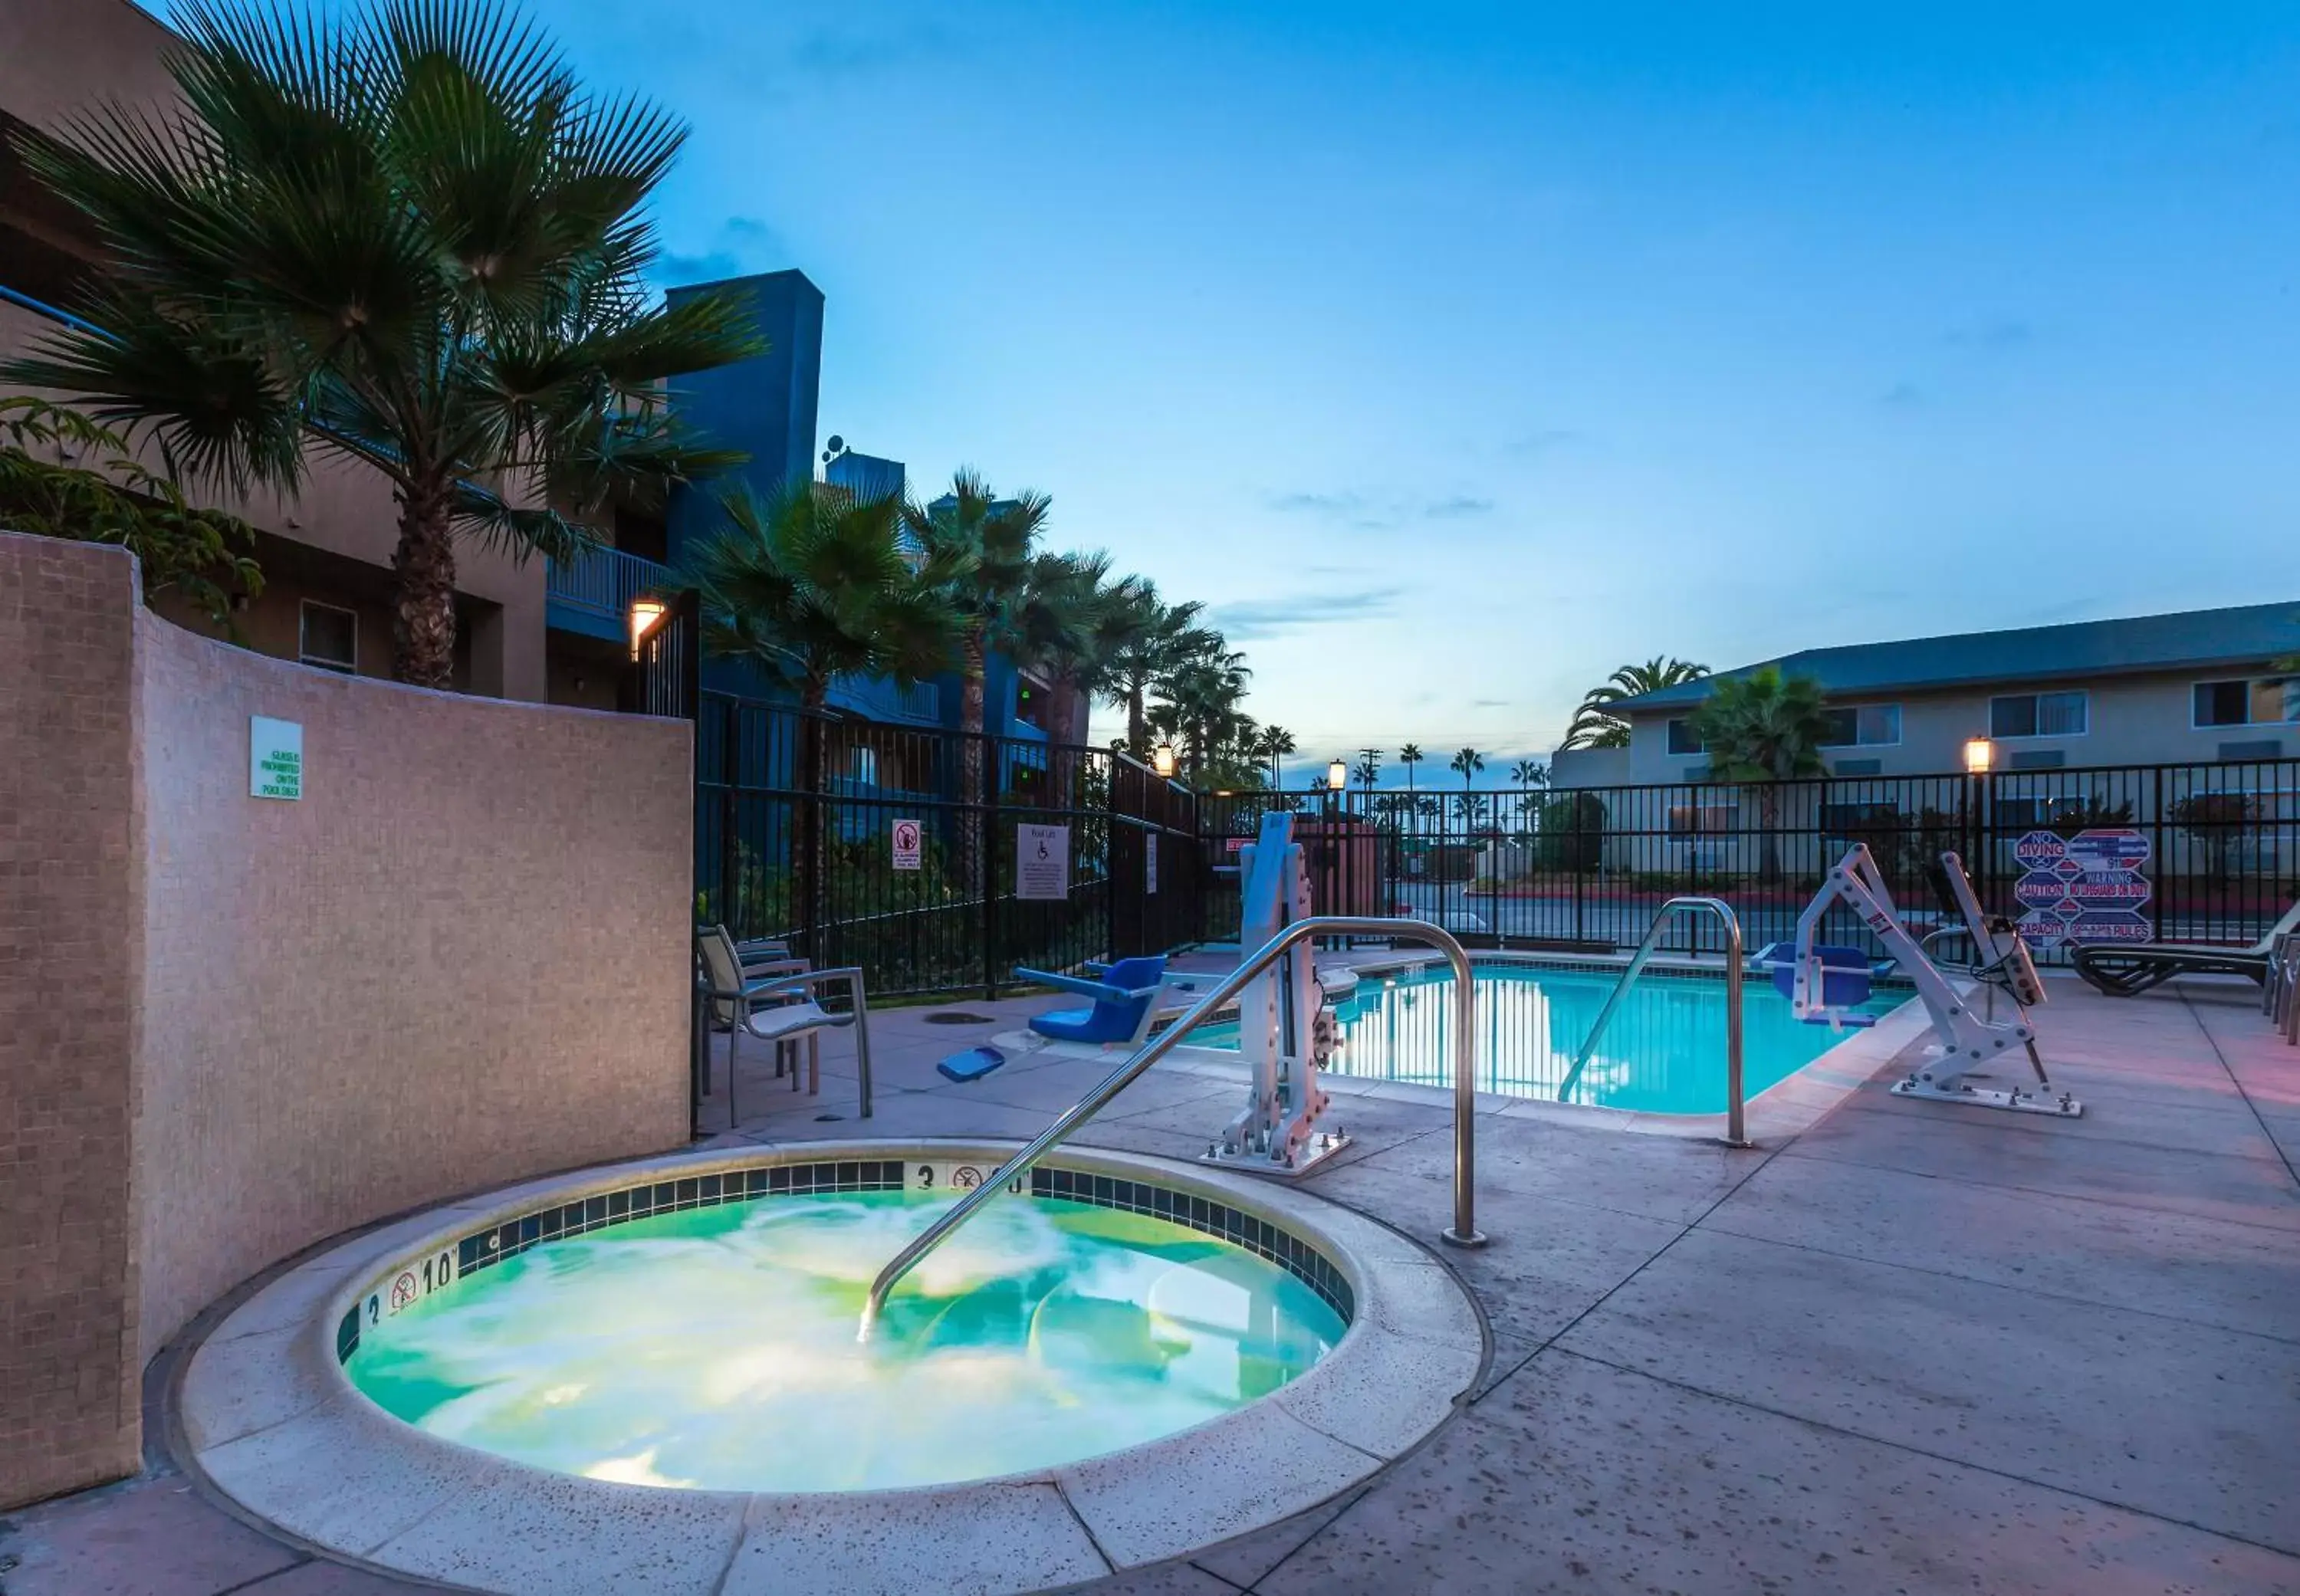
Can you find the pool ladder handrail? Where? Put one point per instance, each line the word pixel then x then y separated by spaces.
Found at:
pixel 1735 1131
pixel 1463 1232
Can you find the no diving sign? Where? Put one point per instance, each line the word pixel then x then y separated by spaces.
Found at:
pixel 909 844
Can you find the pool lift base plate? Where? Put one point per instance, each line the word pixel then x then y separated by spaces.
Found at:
pixel 2057 1104
pixel 1322 1146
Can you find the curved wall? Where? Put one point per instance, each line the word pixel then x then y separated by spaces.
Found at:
pixel 461 958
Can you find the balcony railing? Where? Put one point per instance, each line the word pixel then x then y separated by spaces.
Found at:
pixel 605 581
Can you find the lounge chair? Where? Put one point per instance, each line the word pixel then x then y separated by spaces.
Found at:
pixel 2122 968
pixel 773 1000
pixel 1125 1001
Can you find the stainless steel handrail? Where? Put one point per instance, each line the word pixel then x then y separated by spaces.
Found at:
pixel 1463 1232
pixel 1736 1132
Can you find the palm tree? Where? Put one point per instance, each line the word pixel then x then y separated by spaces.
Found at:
pixel 1760 729
pixel 1369 767
pixel 1157 638
pixel 1528 774
pixel 813 584
pixel 987 544
pixel 1277 743
pixel 1200 701
pixel 1467 763
pixel 1409 756
pixel 1594 725
pixel 406 237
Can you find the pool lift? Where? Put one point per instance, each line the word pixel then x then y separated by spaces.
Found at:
pixel 1286 1027
pixel 1825 982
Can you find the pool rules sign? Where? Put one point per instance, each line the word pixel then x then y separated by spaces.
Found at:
pixel 275 758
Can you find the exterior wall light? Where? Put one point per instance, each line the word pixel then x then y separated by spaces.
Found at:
pixel 1162 759
pixel 1979 755
pixel 1337 776
pixel 647 615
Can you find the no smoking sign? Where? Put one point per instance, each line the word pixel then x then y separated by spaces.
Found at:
pixel 909 844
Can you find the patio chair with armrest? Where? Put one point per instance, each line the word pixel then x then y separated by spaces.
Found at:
pixel 2120 969
pixel 1126 1001
pixel 779 1004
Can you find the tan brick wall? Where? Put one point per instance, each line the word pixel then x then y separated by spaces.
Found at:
pixel 70 945
pixel 459 959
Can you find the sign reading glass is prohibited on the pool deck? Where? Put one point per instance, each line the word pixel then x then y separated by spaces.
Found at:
pixel 275 758
pixel 1042 864
pixel 909 844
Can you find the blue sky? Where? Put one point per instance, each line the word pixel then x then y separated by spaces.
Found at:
pixel 1455 354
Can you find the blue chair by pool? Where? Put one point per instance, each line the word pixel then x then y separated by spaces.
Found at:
pixel 1845 974
pixel 1125 1002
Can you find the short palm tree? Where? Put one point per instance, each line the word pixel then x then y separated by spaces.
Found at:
pixel 1595 726
pixel 813 584
pixel 1409 756
pixel 405 237
pixel 1528 774
pixel 1760 729
pixel 1467 763
pixel 1277 743
pixel 1158 638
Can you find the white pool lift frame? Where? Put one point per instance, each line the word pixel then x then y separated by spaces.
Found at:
pixel 1965 1042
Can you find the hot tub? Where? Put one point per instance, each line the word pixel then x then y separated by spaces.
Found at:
pixel 649 1376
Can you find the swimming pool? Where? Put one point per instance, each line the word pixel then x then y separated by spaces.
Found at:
pixel 1663 1053
pixel 715 1348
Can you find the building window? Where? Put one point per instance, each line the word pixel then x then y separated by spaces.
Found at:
pixel 329 638
pixel 2267 701
pixel 1708 820
pixel 1681 739
pixel 862 766
pixel 1844 821
pixel 2040 715
pixel 1863 725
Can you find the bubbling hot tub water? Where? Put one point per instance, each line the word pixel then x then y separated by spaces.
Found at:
pixel 715 1348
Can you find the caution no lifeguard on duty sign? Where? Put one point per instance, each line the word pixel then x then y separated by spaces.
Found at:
pixel 909 844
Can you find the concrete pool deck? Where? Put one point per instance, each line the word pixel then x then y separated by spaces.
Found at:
pixel 1911 1348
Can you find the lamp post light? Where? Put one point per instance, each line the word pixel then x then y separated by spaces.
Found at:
pixel 1161 759
pixel 1337 776
pixel 647 615
pixel 1979 756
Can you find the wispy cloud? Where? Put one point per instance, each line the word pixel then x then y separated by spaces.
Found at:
pixel 1544 440
pixel 1250 618
pixel 1902 395
pixel 842 53
pixel 1999 337
pixel 1379 512
pixel 739 245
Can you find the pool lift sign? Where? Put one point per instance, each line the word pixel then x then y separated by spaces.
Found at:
pixel 2087 888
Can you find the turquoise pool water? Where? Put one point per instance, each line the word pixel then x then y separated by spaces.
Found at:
pixel 715 1348
pixel 1663 1053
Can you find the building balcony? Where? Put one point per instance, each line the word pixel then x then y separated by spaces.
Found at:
pixel 592 592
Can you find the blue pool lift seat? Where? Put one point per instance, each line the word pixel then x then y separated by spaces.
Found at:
pixel 1125 1002
pixel 1845 974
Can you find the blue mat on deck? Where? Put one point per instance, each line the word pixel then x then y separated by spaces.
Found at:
pixel 972 1064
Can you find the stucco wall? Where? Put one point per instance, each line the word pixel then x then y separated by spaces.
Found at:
pixel 69 947
pixel 230 1026
pixel 461 958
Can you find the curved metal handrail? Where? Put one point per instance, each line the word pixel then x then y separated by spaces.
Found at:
pixel 1736 1132
pixel 1463 1232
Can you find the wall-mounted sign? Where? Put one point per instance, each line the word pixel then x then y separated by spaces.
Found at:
pixel 1042 864
pixel 2085 888
pixel 909 844
pixel 1150 863
pixel 275 758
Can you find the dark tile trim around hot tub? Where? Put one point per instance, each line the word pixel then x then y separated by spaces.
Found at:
pixel 484 1248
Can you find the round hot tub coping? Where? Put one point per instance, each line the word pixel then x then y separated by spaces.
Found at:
pixel 271 1420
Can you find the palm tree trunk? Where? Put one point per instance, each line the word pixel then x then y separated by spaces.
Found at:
pixel 423 622
pixel 814 838
pixel 1137 721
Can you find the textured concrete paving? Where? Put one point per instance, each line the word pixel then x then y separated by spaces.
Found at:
pixel 1916 1349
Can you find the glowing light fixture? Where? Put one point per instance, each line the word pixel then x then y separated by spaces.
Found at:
pixel 1979 755
pixel 647 615
pixel 1162 759
pixel 1337 776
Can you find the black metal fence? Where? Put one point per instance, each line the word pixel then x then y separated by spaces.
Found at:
pixel 916 852
pixel 937 860
pixel 2213 851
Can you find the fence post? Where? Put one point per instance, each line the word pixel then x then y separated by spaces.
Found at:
pixel 731 732
pixel 2156 916
pixel 987 817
